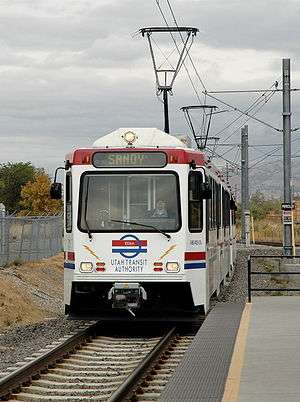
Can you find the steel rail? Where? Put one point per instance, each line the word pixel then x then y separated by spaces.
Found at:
pixel 249 90
pixel 131 380
pixel 25 374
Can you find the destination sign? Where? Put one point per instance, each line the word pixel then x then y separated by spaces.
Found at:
pixel 129 159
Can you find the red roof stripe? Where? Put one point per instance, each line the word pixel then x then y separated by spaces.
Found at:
pixel 176 156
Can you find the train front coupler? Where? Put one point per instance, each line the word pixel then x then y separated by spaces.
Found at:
pixel 128 296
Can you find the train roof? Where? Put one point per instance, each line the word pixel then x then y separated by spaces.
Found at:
pixel 144 137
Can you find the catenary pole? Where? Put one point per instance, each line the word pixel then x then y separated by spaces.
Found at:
pixel 166 111
pixel 243 231
pixel 245 187
pixel 287 171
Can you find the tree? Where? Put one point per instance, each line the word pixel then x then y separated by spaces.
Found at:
pixel 35 197
pixel 12 177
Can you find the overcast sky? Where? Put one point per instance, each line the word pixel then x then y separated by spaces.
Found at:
pixel 71 71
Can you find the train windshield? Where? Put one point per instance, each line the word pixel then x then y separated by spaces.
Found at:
pixel 150 199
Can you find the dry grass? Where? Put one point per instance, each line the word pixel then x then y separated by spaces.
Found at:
pixel 28 289
pixel 266 230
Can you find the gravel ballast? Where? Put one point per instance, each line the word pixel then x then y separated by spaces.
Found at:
pixel 237 290
pixel 20 342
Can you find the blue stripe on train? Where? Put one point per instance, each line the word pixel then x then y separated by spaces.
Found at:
pixel 129 250
pixel 69 265
pixel 195 265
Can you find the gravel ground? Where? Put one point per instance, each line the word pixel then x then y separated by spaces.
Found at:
pixel 20 342
pixel 17 343
pixel 236 291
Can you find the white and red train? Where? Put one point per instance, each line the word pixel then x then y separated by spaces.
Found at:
pixel 149 227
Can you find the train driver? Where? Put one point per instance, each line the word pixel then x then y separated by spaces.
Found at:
pixel 160 210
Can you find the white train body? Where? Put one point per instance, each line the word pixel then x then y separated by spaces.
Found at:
pixel 139 235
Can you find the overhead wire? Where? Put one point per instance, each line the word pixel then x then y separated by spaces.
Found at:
pixel 256 103
pixel 259 103
pixel 268 154
pixel 224 141
pixel 264 98
pixel 237 155
pixel 174 40
pixel 203 126
pixel 246 113
pixel 230 149
pixel 189 56
pixel 221 157
pixel 164 56
pixel 261 159
pixel 261 151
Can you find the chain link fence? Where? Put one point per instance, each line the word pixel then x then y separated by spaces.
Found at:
pixel 29 238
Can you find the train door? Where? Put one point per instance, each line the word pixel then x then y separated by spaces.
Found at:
pixel 220 236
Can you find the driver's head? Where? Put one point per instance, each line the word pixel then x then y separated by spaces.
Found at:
pixel 161 205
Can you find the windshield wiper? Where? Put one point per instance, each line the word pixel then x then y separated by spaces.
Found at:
pixel 146 226
pixel 85 209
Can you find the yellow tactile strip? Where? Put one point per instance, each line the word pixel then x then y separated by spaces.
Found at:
pixel 232 385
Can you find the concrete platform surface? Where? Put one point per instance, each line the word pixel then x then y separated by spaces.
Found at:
pixel 201 375
pixel 271 369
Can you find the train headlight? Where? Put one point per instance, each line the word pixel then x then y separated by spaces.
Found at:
pixel 172 267
pixel 86 267
pixel 129 137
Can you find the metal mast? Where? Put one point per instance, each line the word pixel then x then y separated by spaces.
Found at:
pixel 245 187
pixel 287 170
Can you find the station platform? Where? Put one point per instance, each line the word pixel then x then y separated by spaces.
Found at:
pixel 271 364
pixel 243 353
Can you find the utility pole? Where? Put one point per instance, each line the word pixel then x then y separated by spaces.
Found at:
pixel 287 171
pixel 245 187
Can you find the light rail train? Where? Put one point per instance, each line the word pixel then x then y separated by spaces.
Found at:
pixel 149 227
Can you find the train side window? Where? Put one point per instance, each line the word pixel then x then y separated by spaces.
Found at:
pixel 233 214
pixel 195 202
pixel 226 209
pixel 207 219
pixel 213 212
pixel 208 212
pixel 68 197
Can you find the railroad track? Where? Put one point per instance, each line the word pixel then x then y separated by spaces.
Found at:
pixel 93 367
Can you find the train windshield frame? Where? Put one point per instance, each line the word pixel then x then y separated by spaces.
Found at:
pixel 150 198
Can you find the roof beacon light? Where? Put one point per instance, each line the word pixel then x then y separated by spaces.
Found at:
pixel 129 137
